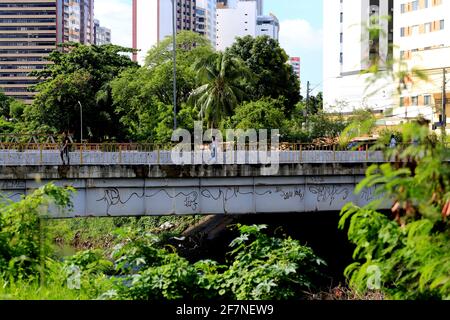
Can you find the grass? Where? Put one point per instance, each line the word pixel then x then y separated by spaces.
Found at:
pixel 22 290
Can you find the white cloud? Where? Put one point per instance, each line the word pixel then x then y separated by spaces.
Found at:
pixel 298 36
pixel 300 39
pixel 116 15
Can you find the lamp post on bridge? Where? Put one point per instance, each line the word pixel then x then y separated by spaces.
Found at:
pixel 174 48
pixel 81 121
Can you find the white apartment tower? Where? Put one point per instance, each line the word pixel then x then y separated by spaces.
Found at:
pixel 419 33
pixel 239 18
pixel 153 21
pixel 206 19
pixel 422 39
pixel 347 52
pixel 234 22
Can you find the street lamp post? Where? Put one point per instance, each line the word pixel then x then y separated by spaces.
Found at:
pixel 174 46
pixel 444 101
pixel 81 125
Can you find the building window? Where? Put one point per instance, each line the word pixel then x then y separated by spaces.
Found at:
pixel 402 102
pixel 415 101
pixel 428 27
pixel 426 3
pixel 342 37
pixel 415 5
pixel 403 8
pixel 341 58
pixel 402 32
pixel 342 17
pixel 441 24
pixel 427 100
pixel 415 30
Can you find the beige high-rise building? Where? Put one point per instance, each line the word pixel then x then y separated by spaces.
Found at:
pixel 422 39
pixel 30 30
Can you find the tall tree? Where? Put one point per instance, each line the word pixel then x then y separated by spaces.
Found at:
pixel 143 97
pixel 80 75
pixel 221 77
pixel 190 46
pixel 269 62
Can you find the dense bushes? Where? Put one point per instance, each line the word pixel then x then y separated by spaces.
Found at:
pixel 23 246
pixel 141 266
pixel 260 268
pixel 406 255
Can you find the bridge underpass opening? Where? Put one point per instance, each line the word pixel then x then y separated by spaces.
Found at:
pixel 318 230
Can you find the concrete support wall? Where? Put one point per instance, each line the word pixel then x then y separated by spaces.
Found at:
pixel 141 191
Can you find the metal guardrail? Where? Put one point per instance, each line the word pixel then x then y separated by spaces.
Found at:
pixel 22 154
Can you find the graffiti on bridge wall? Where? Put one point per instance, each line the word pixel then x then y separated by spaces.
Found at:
pixel 114 198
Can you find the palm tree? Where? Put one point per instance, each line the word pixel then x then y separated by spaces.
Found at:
pixel 221 76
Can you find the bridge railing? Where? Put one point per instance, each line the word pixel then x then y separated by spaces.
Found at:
pixel 152 154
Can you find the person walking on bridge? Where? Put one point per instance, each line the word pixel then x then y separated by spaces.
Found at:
pixel 65 149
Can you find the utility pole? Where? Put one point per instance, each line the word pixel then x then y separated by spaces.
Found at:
pixel 308 93
pixel 174 49
pixel 444 100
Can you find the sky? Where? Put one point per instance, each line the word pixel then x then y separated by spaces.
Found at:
pixel 300 30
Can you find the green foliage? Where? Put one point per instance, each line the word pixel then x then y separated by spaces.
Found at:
pixel 143 98
pixel 22 243
pixel 80 74
pixel 262 268
pixel 11 112
pixel 411 251
pixel 221 77
pixel 190 46
pixel 16 109
pixel 54 285
pixel 362 123
pixel 274 77
pixel 140 266
pixel 5 101
pixel 266 113
pixel 306 126
pixel 91 261
pixel 266 268
pixel 6 126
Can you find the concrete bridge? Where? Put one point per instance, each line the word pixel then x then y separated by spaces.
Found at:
pixel 131 184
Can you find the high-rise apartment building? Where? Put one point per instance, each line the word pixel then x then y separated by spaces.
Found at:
pixel 206 19
pixel 422 41
pixel 348 50
pixel 417 36
pixel 77 17
pixel 153 21
pixel 268 26
pixel 235 21
pixel 259 6
pixel 239 18
pixel 102 35
pixel 29 31
pixel 295 63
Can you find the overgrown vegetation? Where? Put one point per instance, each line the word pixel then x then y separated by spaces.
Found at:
pixel 405 254
pixel 141 265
